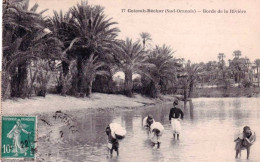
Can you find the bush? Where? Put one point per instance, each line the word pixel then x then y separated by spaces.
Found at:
pixel 247 83
pixel 38 78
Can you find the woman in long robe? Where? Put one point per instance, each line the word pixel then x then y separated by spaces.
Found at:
pixel 15 134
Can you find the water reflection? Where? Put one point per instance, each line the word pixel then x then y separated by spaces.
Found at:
pixel 189 111
pixel 128 119
pixel 207 133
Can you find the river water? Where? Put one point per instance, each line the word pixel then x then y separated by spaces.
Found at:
pixel 208 131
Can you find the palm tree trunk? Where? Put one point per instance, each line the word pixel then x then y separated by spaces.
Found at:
pixel 185 94
pixel 80 81
pixel 185 91
pixel 18 82
pixel 22 78
pixel 156 89
pixel 128 82
pixel 89 92
pixel 257 73
pixel 238 80
pixel 65 70
pixel 210 79
pixel 190 89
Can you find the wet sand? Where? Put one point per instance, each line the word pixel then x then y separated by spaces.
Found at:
pixel 52 103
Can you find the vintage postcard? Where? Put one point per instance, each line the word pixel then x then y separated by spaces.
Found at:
pixel 130 80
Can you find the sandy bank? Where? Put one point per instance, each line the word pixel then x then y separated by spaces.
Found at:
pixel 53 103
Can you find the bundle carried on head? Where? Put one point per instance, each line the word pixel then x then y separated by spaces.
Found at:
pixel 157 126
pixel 117 131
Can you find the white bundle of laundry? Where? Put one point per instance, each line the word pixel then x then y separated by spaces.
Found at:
pixel 157 125
pixel 117 131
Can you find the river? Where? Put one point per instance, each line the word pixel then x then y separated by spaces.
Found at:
pixel 208 131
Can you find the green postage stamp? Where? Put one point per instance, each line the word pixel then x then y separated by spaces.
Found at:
pixel 18 137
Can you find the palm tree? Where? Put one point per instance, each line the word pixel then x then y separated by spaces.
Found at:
pixel 165 68
pixel 187 81
pixel 221 58
pixel 193 71
pixel 93 68
pixel 130 58
pixel 237 53
pixel 238 67
pixel 62 26
pixel 94 35
pixel 25 38
pixel 145 38
pixel 257 63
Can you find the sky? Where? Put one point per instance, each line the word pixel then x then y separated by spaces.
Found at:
pixel 198 37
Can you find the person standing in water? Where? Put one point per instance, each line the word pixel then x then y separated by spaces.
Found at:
pixel 245 141
pixel 175 116
pixel 156 132
pixel 113 143
pixel 115 132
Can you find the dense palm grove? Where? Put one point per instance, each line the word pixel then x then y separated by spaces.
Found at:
pixel 80 50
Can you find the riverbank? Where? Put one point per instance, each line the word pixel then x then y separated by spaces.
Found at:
pixel 231 92
pixel 53 103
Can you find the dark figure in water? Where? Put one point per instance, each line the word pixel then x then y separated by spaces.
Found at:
pixel 245 141
pixel 175 116
pixel 147 122
pixel 113 143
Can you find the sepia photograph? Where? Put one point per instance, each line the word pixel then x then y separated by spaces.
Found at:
pixel 130 81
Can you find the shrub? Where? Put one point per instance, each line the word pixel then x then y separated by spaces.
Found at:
pixel 247 83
